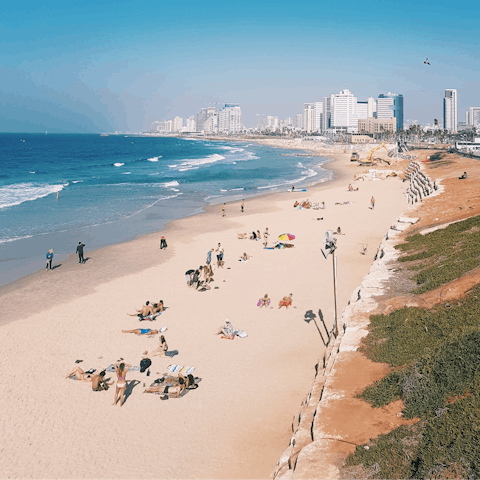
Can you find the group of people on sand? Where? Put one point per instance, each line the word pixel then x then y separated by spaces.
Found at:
pixel 255 235
pixel 351 189
pixel 284 302
pixel 201 277
pixel 148 311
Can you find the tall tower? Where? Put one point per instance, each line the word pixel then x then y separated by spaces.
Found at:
pixel 390 105
pixel 344 116
pixel 450 110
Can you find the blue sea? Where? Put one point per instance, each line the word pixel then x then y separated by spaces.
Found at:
pixel 57 189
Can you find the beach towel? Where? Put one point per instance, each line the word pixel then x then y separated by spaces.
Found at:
pixel 149 317
pixel 241 334
pixel 260 302
pixel 180 369
pixel 111 368
pixel 242 260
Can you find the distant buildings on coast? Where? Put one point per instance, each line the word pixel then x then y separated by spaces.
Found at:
pixel 338 113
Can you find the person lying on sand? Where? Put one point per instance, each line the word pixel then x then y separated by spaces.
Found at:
pixel 141 331
pixel 296 204
pixel 350 188
pixel 242 236
pixel 98 380
pixel 245 257
pixel 121 370
pixel 147 310
pixel 285 302
pixel 172 386
pixel 160 350
pixel 281 245
pixel 264 302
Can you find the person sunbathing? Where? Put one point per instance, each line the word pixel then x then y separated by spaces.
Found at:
pixel 285 302
pixel 350 188
pixel 173 386
pixel 160 350
pixel 142 331
pixel 99 382
pixel 265 301
pixel 227 331
pixel 144 311
pixel 121 370
pixel 253 236
pixel 80 375
pixel 245 257
pixel 306 204
pixel 296 204
pixel 338 232
pixel 259 235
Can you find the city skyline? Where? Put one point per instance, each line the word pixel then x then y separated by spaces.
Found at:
pixel 120 66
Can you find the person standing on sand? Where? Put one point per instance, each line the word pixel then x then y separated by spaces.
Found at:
pixel 121 370
pixel 209 257
pixel 163 243
pixel 242 206
pixel 220 253
pixel 49 259
pixel 372 203
pixel 224 214
pixel 80 252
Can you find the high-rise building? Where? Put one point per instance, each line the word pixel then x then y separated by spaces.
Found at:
pixel 450 119
pixel 317 116
pixel 390 105
pixel 177 124
pixel 230 118
pixel 210 125
pixel 371 107
pixel 362 110
pixel 190 125
pixel 159 126
pixel 270 123
pixel 308 116
pixel 299 121
pixel 327 113
pixel 344 112
pixel 473 116
pixel 201 117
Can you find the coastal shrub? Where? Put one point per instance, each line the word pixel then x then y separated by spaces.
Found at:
pixel 449 252
pixel 408 334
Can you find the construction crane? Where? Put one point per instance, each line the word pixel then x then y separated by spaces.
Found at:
pixel 370 160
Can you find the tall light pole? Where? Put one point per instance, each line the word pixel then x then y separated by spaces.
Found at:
pixel 330 243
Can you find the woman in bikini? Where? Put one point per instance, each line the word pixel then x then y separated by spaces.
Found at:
pixel 142 331
pixel 176 385
pixel 264 301
pixel 121 370
pixel 80 375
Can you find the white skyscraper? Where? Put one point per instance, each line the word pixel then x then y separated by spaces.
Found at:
pixel 308 117
pixel 344 112
pixel 372 107
pixel 177 124
pixel 210 125
pixel 473 116
pixel 362 110
pixel 230 118
pixel 317 116
pixel 450 110
pixel 299 121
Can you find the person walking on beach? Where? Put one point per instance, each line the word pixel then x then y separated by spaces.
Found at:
pixel 372 203
pixel 49 259
pixel 121 370
pixel 242 206
pixel 80 252
pixel 223 211
pixel 163 243
pixel 220 253
pixel 209 257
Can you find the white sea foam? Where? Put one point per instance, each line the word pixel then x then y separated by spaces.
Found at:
pixel 118 164
pixel 192 164
pixel 154 159
pixel 126 173
pixel 233 149
pixel 31 172
pixel 77 181
pixel 236 189
pixel 170 184
pixel 18 193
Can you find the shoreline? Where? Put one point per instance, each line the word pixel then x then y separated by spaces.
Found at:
pixel 238 422
pixel 33 262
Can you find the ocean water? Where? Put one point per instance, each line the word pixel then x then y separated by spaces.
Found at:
pixel 115 188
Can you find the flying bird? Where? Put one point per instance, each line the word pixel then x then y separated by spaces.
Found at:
pixel 426 62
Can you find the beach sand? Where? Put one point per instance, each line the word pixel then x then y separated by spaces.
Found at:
pixel 238 422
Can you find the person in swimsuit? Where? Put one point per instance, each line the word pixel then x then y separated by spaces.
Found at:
pixel 121 370
pixel 99 383
pixel 264 301
pixel 245 257
pixel 160 350
pixel 223 211
pixel 285 302
pixel 142 331
pixel 80 375
pixel 144 311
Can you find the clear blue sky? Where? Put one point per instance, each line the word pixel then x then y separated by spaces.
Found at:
pixel 100 66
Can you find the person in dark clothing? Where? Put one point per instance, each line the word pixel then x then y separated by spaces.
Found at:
pixel 80 252
pixel 163 243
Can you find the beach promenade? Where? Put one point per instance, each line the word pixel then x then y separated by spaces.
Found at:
pixel 238 422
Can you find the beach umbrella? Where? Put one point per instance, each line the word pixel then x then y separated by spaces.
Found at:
pixel 286 236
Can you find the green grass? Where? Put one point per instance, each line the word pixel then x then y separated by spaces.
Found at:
pixel 447 253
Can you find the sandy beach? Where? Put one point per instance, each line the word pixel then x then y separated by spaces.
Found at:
pixel 237 423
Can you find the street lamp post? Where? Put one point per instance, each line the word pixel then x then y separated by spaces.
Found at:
pixel 330 243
